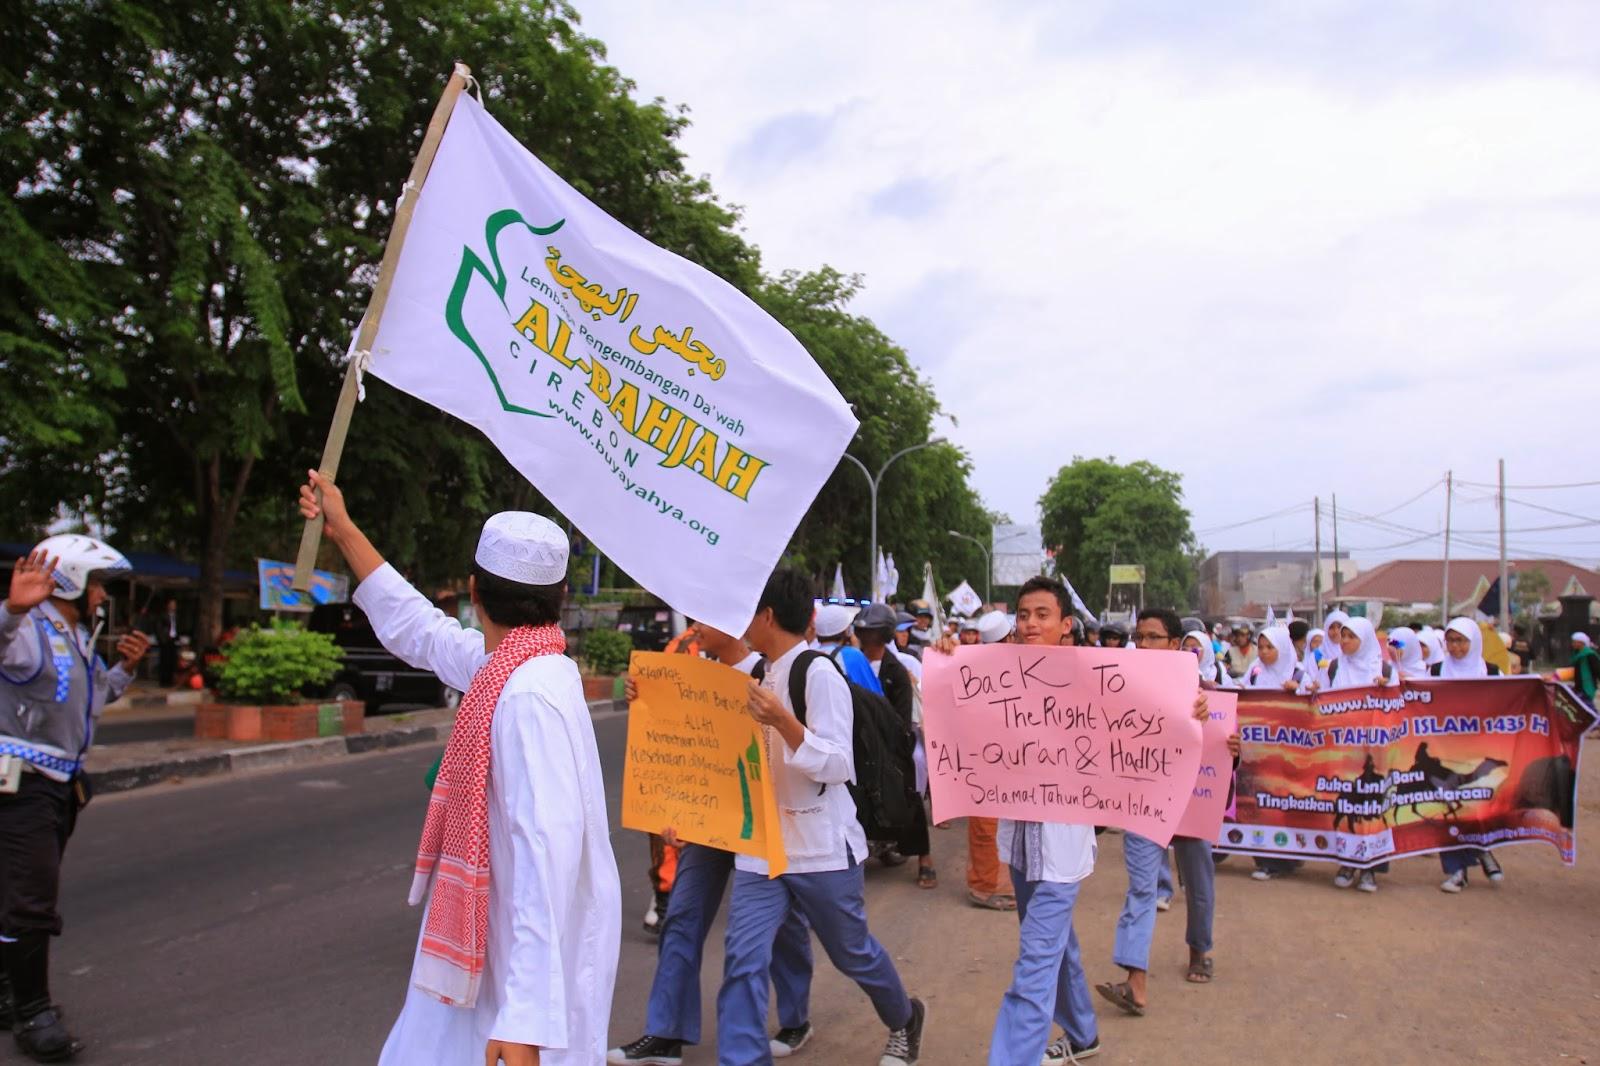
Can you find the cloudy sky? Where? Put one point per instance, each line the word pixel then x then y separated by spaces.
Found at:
pixel 1288 250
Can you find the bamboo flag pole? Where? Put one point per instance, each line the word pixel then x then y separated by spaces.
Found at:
pixel 333 450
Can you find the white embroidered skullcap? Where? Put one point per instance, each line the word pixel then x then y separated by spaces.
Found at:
pixel 523 547
pixel 834 618
pixel 994 627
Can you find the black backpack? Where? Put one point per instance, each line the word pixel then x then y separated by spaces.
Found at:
pixel 885 789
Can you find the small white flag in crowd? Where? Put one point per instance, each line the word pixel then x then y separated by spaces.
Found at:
pixel 1272 616
pixel 838 581
pixel 966 600
pixel 681 427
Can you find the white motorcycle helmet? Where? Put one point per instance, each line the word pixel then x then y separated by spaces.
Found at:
pixel 80 559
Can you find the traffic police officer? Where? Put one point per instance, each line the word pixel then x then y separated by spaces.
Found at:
pixel 52 687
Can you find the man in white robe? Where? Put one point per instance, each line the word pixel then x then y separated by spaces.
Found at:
pixel 554 899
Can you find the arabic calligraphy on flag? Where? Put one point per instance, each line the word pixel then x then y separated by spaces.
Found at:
pixel 677 424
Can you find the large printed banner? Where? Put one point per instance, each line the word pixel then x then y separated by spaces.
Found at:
pixel 676 423
pixel 277 592
pixel 1090 736
pixel 695 761
pixel 1366 775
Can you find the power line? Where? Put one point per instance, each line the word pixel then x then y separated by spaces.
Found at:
pixel 1302 506
pixel 1522 488
pixel 1554 510
pixel 1411 501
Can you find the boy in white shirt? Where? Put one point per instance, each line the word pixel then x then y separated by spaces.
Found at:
pixel 812 763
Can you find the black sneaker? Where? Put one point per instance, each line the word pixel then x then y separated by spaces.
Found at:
pixel 906 1044
pixel 43 1037
pixel 1064 1052
pixel 647 1051
pixel 789 1040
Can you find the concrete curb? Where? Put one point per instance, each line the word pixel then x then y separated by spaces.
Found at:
pixel 259 757
pixel 274 756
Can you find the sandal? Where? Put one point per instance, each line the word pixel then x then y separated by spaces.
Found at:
pixel 1121 994
pixel 1201 973
pixel 927 877
pixel 996 902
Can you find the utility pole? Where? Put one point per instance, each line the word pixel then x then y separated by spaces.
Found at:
pixel 1316 579
pixel 1338 575
pixel 1505 583
pixel 872 484
pixel 1449 500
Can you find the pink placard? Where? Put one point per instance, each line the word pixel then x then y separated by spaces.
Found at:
pixel 1202 819
pixel 1089 736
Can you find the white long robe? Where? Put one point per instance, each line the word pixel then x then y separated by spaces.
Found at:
pixel 555 901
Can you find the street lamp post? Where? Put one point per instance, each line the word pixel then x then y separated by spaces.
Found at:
pixel 873 483
pixel 988 564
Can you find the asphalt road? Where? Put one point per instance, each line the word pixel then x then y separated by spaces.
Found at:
pixel 256 919
pixel 261 920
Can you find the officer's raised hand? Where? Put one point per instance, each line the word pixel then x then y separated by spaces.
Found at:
pixel 132 648
pixel 32 582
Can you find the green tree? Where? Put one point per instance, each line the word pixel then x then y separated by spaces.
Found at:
pixel 200 196
pixel 1097 511
pixel 924 494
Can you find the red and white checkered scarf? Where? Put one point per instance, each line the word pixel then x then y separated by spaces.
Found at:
pixel 454 851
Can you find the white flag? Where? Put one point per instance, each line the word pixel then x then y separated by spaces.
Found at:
pixel 966 600
pixel 1288 619
pixel 1077 602
pixel 677 424
pixel 838 582
pixel 1272 617
pixel 892 584
pixel 931 595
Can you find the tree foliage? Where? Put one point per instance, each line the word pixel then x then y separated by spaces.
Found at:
pixel 1097 511
pixel 924 494
pixel 200 196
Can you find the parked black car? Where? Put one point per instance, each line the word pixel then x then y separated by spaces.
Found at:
pixel 370 674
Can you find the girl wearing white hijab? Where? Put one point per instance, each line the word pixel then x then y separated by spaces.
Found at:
pixel 1432 646
pixel 1199 642
pixel 1463 661
pixel 1275 666
pixel 1408 654
pixel 1360 663
pixel 1463 645
pixel 1319 668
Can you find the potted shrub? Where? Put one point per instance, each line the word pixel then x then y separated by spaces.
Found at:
pixel 605 659
pixel 260 681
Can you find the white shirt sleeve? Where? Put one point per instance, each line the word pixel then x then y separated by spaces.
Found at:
pixel 19 645
pixel 828 754
pixel 413 629
pixel 536 766
pixel 117 681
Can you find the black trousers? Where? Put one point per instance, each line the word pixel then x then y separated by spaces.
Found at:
pixel 35 822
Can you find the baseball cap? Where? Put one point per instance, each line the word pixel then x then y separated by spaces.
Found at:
pixel 876 616
pixel 905 620
pixel 833 619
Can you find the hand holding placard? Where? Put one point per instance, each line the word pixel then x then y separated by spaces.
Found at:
pixel 695 761
pixel 1089 736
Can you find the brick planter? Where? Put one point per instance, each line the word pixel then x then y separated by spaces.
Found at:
pixel 300 721
pixel 602 687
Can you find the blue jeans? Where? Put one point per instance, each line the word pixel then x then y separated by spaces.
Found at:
pixel 1047 982
pixel 1137 923
pixel 1199 890
pixel 832 902
pixel 1164 889
pixel 1459 860
pixel 674 1010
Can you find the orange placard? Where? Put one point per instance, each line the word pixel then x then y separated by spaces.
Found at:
pixel 696 762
